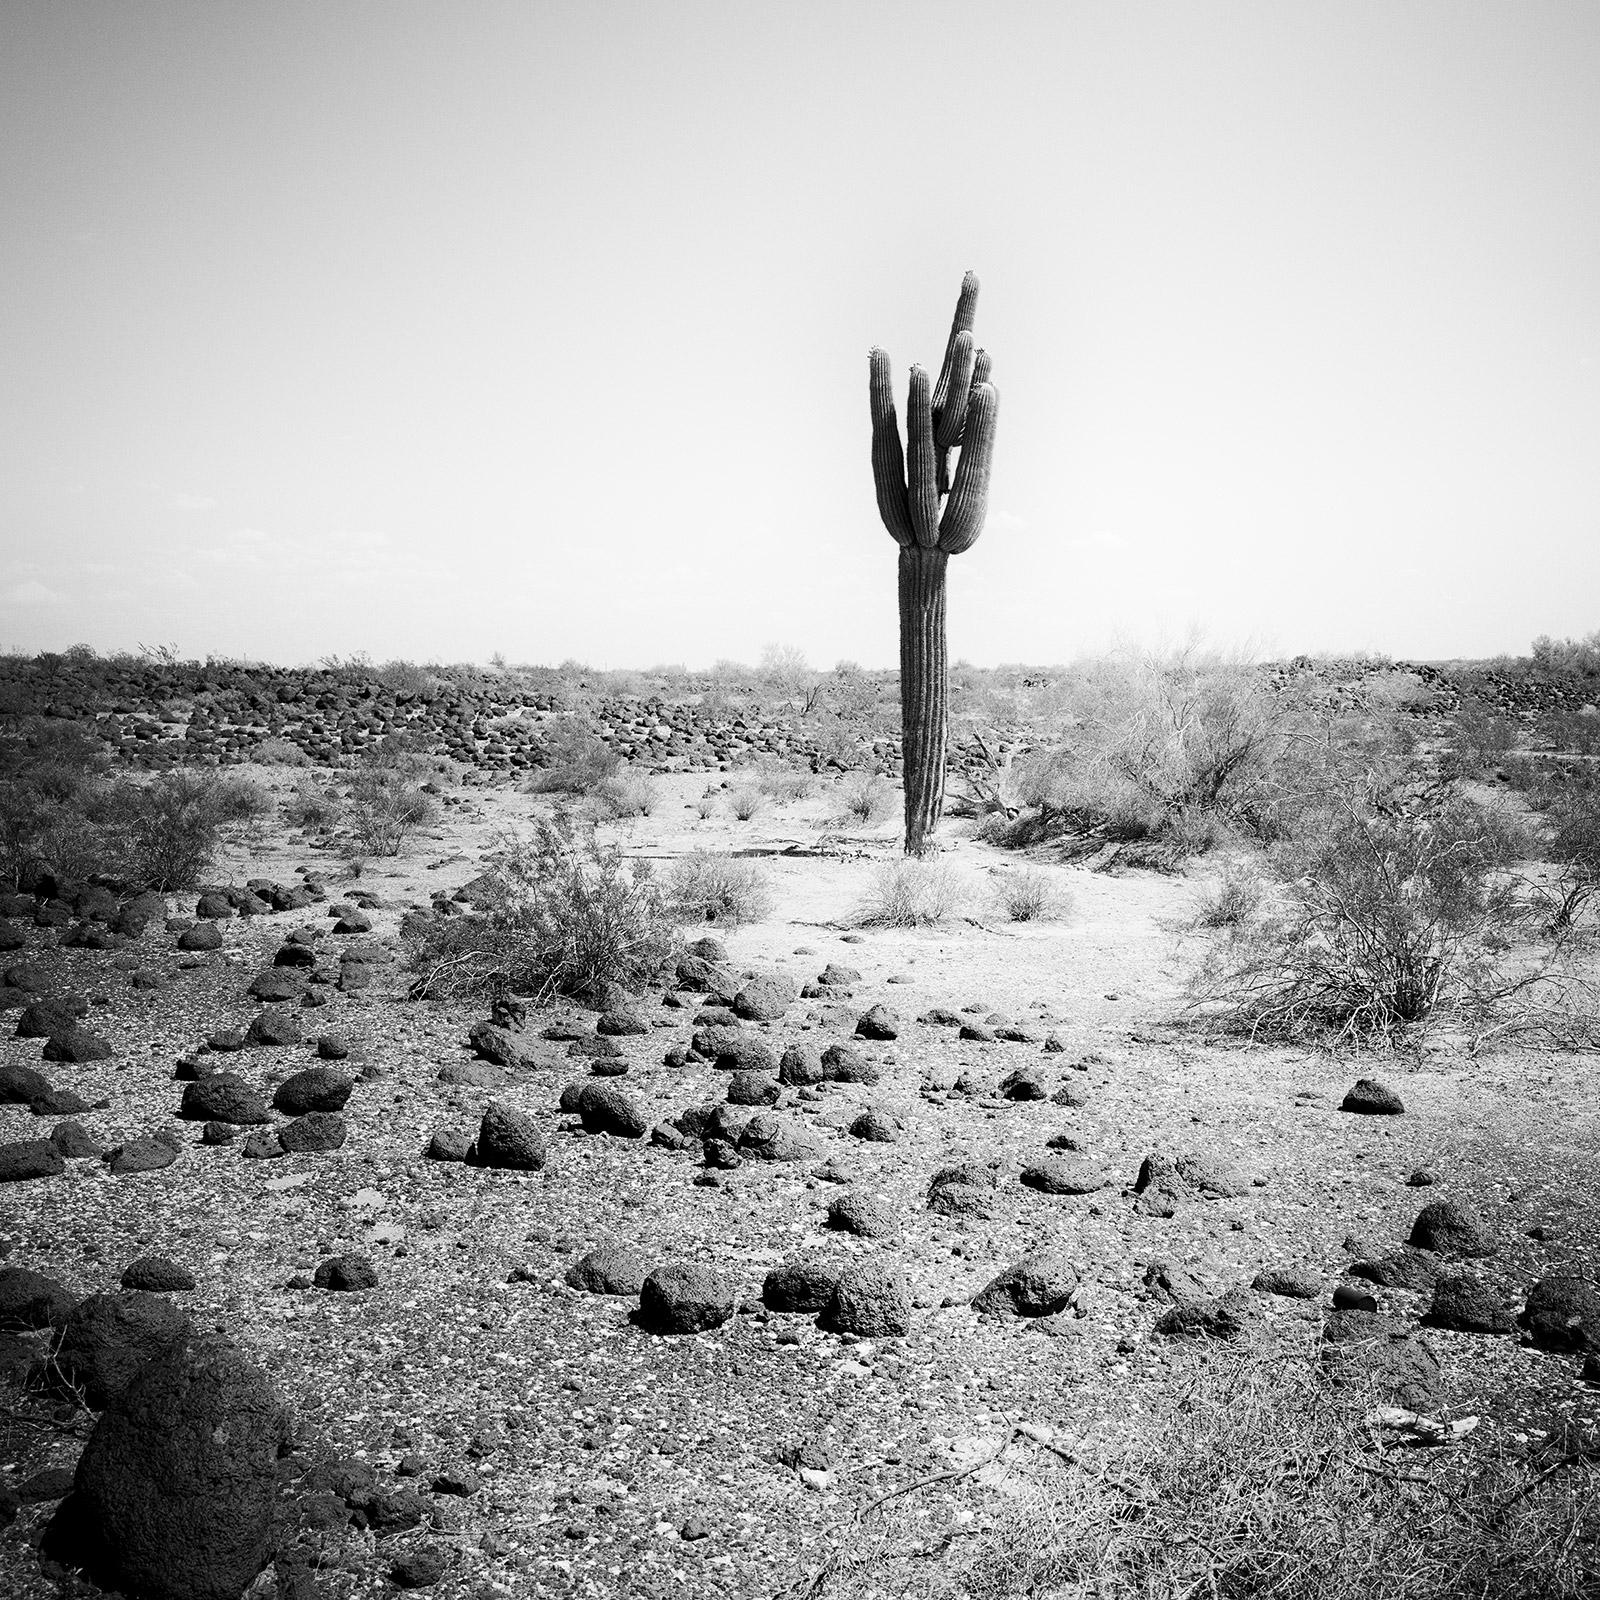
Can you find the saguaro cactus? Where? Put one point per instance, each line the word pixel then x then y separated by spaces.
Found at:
pixel 931 517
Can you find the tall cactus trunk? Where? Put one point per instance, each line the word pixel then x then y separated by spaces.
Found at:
pixel 924 691
pixel 931 516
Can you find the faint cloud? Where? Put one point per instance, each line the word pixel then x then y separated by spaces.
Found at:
pixel 97 569
pixel 1102 539
pixel 32 593
pixel 185 501
pixel 1006 519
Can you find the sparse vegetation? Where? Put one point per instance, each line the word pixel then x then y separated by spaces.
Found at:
pixel 387 803
pixel 746 801
pixel 627 794
pixel 915 893
pixel 1394 915
pixel 573 759
pixel 866 798
pixel 1251 1476
pixel 704 887
pixel 561 913
pixel 1032 895
pixel 1232 899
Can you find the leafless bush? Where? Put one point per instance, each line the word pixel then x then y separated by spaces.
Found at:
pixel 704 887
pixel 1148 747
pixel 314 807
pixel 1032 895
pixel 866 797
pixel 573 759
pixel 1249 1476
pixel 1232 899
pixel 563 913
pixel 914 893
pixel 386 804
pixel 281 753
pixel 627 794
pixel 1392 918
pixel 747 801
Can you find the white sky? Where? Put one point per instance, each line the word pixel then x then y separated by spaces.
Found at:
pixel 436 330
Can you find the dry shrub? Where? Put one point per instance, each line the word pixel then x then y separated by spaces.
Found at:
pixel 784 785
pixel 281 752
pixel 1032 895
pixel 314 807
pixel 386 804
pixel 627 794
pixel 1151 749
pixel 866 797
pixel 747 801
pixel 560 913
pixel 1396 914
pixel 1248 1477
pixel 573 759
pixel 914 893
pixel 704 887
pixel 1232 899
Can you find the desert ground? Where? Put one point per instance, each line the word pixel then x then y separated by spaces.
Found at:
pixel 468 1420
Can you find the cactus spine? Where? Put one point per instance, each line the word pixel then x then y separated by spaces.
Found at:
pixel 931 517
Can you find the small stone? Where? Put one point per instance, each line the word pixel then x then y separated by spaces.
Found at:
pixel 346 1273
pixel 1370 1098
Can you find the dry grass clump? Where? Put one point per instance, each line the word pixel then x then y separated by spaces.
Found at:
pixel 866 798
pixel 746 801
pixel 1232 899
pixel 1032 895
pixel 914 893
pixel 1253 1478
pixel 313 807
pixel 705 887
pixel 573 759
pixel 627 794
pixel 1399 912
pixel 386 803
pixel 560 913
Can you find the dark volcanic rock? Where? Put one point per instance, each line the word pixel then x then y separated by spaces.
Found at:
pixel 347 1273
pixel 1563 1313
pixel 223 1097
pixel 1229 1316
pixel 314 1133
pixel 149 1152
pixel 879 1022
pixel 1468 1305
pixel 1294 1283
pixel 157 1275
pixel 1379 1355
pixel 870 1298
pixel 177 1489
pixel 844 1063
pixel 1039 1285
pixel 868 1216
pixel 803 1284
pixel 509 1138
pixel 769 1137
pixel 76 1045
pixel 608 1108
pixel 1064 1175
pixel 611 1269
pixel 22 1159
pixel 764 999
pixel 684 1299
pixel 274 1027
pixel 1370 1098
pixel 29 1299
pixel 109 1338
pixel 314 1089
pixel 1452 1228
pixel 20 1085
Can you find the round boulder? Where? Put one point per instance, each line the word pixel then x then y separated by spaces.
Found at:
pixel 684 1299
pixel 870 1298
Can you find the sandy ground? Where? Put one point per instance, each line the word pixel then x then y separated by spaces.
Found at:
pixel 601 1446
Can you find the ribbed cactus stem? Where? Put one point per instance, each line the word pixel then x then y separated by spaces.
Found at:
pixel 931 518
pixel 924 691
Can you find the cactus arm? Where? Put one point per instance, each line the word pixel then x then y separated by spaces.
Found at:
pixel 969 496
pixel 922 478
pixel 949 419
pixel 888 460
pixel 961 323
